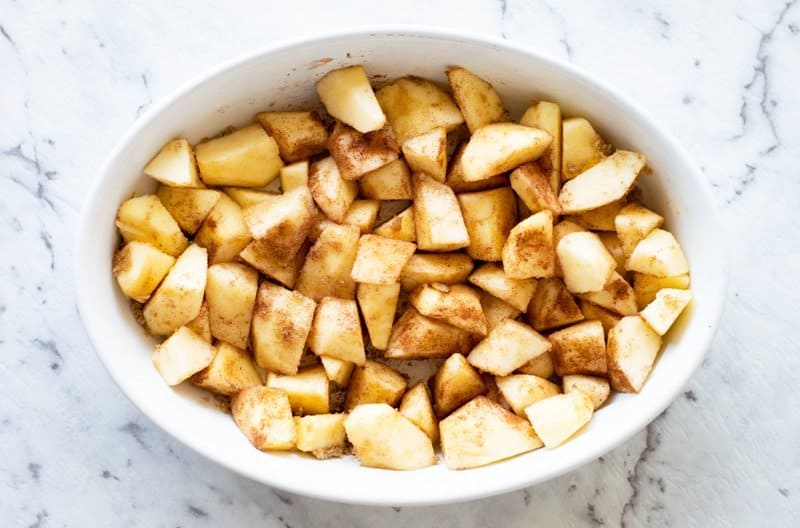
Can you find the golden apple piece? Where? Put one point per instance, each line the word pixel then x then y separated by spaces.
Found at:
pixel 307 390
pixel 231 371
pixel 384 438
pixel 437 216
pixel 455 383
pixel 479 102
pixel 189 207
pixel 337 370
pixel 248 157
pixel 552 306
pixel 326 270
pixel 533 187
pixel 285 273
pixel 546 116
pixel 455 176
pixel 281 323
pixel 415 106
pixel 579 349
pixel 201 325
pixel 178 298
pixel 585 262
pixel 482 432
pixel 523 390
pixel 332 193
pixel 631 351
pixel 601 218
pixel 634 222
pixel 139 268
pixel 604 183
pixel 280 227
pixel 508 346
pixel 389 182
pixel 247 197
pixel 658 254
pixel 614 247
pixel 582 149
pixel 374 383
pixel 444 268
pixel 617 296
pixel 428 153
pixel 491 278
pixel 294 175
pixel 362 214
pixel 264 416
pixel 322 435
pixel 645 287
pixel 457 305
pixel 231 294
pixel 416 406
pixel 145 219
pixel 299 135
pixel 181 355
pixel 378 303
pixel 541 365
pixel 529 251
pixel 399 227
pixel 174 165
pixel 593 312
pixel 379 260
pixel 357 154
pixel 348 96
pixel 415 336
pixel 557 418
pixel 500 147
pixel 489 217
pixel 662 312
pixel 223 232
pixel 597 389
pixel 336 331
pixel 495 310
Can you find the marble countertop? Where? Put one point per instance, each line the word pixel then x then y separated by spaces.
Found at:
pixel 721 75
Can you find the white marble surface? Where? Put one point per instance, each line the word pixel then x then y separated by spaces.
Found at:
pixel 722 75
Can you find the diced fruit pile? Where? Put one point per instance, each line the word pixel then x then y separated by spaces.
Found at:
pixel 513 259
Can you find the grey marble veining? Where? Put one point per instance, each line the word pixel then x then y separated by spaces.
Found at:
pixel 722 76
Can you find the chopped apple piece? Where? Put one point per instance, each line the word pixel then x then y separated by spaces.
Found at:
pixel 265 417
pixel 183 354
pixel 362 214
pixel 281 324
pixel 139 268
pixel 428 153
pixel 337 370
pixel 482 432
pixel 427 268
pixel 606 317
pixel 231 370
pixel 415 106
pixel 601 218
pixel 174 165
pixel 455 176
pixel 281 226
pixel 528 251
pixel 541 365
pixel 416 406
pixel 189 207
pixel 248 197
pixel 499 147
pixel 606 182
pixel 547 116
pixel 658 254
pixel 384 438
pixel 634 222
pixel 180 295
pixel 336 331
pixel 665 309
pixel 294 175
pixel 516 292
pixel 437 216
pixel 496 310
pixel 508 346
pixel 299 135
pixel 224 232
pixel 534 188
pixel 348 96
pixel 322 435
pixel 455 383
pixel 632 350
pixel 583 148
pixel 479 103
pixel 374 383
pixel 326 271
pixel 457 304
pixel 523 390
pixel 231 294
pixel 357 154
pixel 283 272
pixel 585 262
pixel 489 217
pixel 389 182
pixel 247 157
pixel 415 336
pixel 145 219
pixel 201 325
pixel 332 193
pixel 557 418
pixel 307 390
pixel 579 349
pixel 597 389
pixel 617 296
pixel 552 306
pixel 379 260
pixel 399 227
pixel 378 304
pixel 645 287
pixel 614 247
